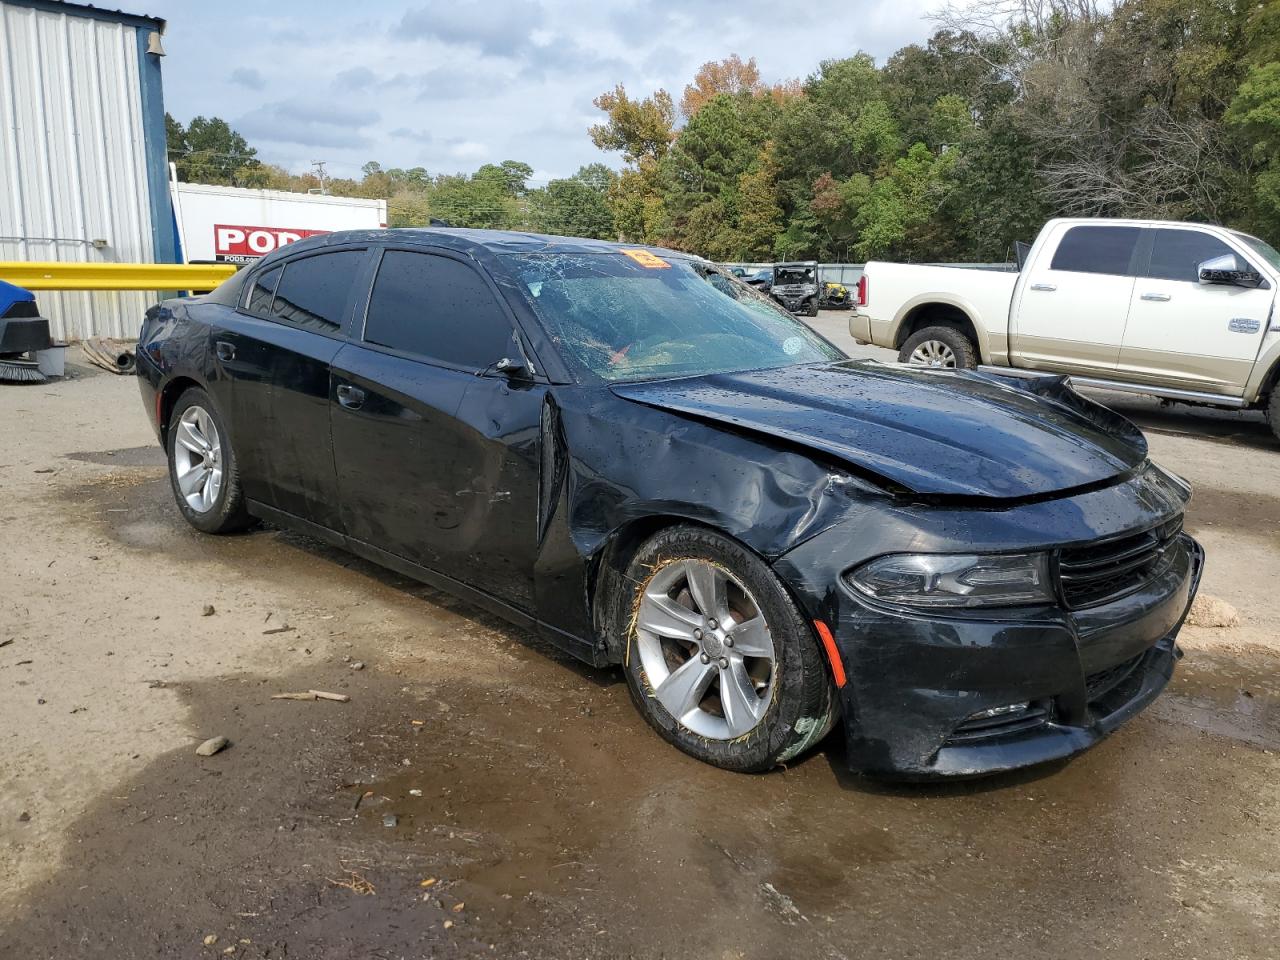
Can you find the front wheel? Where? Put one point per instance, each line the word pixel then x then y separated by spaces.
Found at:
pixel 939 347
pixel 718 658
pixel 813 308
pixel 1273 411
pixel 202 467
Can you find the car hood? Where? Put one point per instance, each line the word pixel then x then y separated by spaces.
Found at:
pixel 932 432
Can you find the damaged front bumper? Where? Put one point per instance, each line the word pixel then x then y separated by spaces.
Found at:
pixel 975 692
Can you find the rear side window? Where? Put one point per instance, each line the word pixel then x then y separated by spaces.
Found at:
pixel 1177 254
pixel 437 308
pixel 313 292
pixel 1097 250
pixel 260 294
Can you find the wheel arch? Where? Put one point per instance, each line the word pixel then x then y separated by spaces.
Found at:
pixel 169 395
pixel 939 311
pixel 610 562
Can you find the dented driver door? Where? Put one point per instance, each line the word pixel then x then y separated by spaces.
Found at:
pixel 437 453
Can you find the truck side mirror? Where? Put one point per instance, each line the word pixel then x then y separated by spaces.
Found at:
pixel 1226 270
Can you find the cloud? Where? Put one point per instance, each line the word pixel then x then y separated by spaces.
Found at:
pixel 561 56
pixel 467 150
pixel 417 136
pixel 248 77
pixel 497 27
pixel 357 78
pixel 311 124
pixel 446 83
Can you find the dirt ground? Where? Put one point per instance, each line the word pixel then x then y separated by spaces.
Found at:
pixel 549 820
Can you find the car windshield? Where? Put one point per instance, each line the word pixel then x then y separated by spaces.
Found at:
pixel 632 315
pixel 1263 249
pixel 793 275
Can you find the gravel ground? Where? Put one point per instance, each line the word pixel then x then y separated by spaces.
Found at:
pixel 550 821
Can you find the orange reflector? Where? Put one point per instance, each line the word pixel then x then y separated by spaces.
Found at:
pixel 833 654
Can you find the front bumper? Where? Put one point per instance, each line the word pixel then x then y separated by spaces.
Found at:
pixel 915 681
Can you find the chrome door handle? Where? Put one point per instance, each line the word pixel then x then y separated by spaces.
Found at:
pixel 1156 297
pixel 350 397
pixel 226 351
pixel 1046 287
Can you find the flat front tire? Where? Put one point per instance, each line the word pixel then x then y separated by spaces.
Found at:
pixel 718 658
pixel 202 466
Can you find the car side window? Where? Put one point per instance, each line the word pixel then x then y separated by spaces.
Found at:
pixel 1089 249
pixel 437 308
pixel 262 290
pixel 313 292
pixel 1177 254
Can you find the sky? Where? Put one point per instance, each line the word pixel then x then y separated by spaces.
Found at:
pixel 452 85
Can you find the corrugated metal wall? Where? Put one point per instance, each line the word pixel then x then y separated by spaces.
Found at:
pixel 72 159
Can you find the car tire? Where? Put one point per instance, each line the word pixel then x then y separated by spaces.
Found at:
pixel 939 347
pixel 813 308
pixel 1273 411
pixel 206 485
pixel 785 701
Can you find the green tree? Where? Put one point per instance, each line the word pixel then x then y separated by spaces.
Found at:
pixel 574 207
pixel 207 150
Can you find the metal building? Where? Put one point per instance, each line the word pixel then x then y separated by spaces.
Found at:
pixel 82 158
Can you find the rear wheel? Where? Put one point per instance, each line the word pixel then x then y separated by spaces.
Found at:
pixel 718 658
pixel 939 347
pixel 202 467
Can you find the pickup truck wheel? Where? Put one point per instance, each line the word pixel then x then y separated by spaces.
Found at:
pixel 939 347
pixel 1273 411
pixel 719 659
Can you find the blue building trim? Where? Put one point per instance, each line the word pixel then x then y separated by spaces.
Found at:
pixel 141 21
pixel 154 142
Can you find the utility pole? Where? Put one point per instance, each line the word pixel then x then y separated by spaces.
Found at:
pixel 319 165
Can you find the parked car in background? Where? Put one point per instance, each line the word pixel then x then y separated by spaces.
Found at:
pixel 629 453
pixel 762 279
pixel 795 286
pixel 1182 311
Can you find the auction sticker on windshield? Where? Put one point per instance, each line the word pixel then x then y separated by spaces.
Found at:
pixel 646 259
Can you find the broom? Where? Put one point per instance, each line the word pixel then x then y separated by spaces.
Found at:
pixel 14 369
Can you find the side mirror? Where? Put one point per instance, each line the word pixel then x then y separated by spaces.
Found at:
pixel 507 367
pixel 1226 270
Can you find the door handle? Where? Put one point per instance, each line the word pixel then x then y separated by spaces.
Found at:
pixel 1156 297
pixel 226 351
pixel 350 397
pixel 1045 287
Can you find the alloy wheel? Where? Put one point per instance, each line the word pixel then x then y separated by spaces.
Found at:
pixel 198 459
pixel 933 353
pixel 706 649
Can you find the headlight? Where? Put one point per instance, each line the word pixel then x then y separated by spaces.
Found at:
pixel 956 580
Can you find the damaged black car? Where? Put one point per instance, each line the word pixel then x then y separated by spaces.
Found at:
pixel 966 572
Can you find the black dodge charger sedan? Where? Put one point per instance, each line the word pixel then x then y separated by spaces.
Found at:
pixel 639 458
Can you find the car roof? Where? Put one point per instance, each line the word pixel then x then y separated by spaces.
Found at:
pixel 469 241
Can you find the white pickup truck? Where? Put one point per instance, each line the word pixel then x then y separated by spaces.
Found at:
pixel 1182 311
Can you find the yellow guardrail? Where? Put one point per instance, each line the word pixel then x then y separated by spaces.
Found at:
pixel 115 276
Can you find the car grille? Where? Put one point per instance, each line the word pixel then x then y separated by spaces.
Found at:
pixel 1106 571
pixel 1002 725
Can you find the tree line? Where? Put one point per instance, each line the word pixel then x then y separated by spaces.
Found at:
pixel 1012 112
